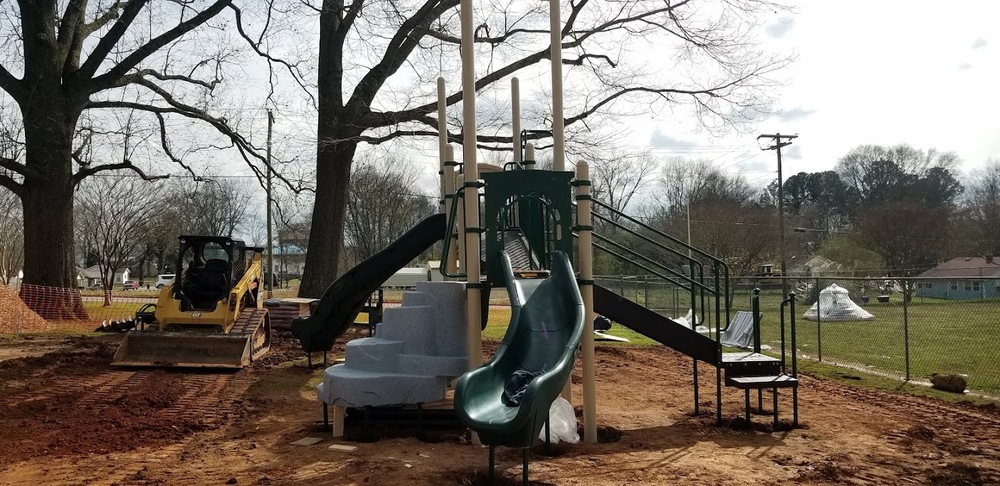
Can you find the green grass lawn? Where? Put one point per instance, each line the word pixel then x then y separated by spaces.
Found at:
pixel 944 336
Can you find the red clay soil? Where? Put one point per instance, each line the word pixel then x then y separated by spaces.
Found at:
pixel 67 418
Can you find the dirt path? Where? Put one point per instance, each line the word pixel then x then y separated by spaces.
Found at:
pixel 67 418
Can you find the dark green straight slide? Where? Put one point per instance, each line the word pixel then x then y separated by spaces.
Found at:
pixel 344 298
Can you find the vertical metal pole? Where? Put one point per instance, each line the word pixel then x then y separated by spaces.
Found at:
pixel 492 463
pixel 270 236
pixel 524 466
pixel 451 178
pixel 906 335
pixel 819 324
pixel 781 220
pixel 515 116
pixel 555 57
pixel 586 264
pixel 443 142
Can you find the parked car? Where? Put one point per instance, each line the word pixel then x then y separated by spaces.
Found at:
pixel 130 285
pixel 164 280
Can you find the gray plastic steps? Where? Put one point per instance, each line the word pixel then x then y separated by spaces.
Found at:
pixel 417 348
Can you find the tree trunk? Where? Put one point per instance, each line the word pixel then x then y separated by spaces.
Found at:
pixel 326 237
pixel 47 199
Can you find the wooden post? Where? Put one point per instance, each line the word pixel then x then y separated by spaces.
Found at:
pixel 586 264
pixel 555 56
pixel 471 188
pixel 338 420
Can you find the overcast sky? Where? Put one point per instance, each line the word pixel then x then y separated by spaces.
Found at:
pixel 871 72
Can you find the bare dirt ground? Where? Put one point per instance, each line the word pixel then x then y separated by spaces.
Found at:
pixel 66 417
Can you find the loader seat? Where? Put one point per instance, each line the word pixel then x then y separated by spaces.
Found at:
pixel 207 284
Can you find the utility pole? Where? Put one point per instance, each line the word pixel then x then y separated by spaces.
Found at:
pixel 270 243
pixel 776 146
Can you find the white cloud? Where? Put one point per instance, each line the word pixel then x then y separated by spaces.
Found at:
pixel 979 43
pixel 780 28
pixel 796 113
pixel 660 139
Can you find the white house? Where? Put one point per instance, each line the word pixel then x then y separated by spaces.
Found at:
pixel 91 276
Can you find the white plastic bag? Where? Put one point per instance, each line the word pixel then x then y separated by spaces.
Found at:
pixel 562 423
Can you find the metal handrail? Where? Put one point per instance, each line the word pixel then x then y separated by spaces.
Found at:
pixel 790 302
pixel 647 239
pixel 660 233
pixel 452 221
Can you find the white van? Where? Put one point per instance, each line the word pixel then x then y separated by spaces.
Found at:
pixel 163 280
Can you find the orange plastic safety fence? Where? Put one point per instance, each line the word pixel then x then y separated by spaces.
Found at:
pixel 37 308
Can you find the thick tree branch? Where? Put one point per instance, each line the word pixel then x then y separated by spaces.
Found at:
pixel 7 181
pixel 12 85
pixel 111 77
pixel 71 23
pixel 127 164
pixel 13 166
pixel 137 76
pixel 402 44
pixel 246 150
pixel 104 46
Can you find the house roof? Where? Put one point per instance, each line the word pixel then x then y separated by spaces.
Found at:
pixel 965 267
pixel 95 272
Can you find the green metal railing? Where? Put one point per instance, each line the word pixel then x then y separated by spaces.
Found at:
pixel 701 287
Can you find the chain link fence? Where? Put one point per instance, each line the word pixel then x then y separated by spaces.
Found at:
pixel 947 326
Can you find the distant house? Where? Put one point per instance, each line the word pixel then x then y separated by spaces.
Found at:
pixel 91 277
pixel 963 278
pixel 817 266
pixel 289 260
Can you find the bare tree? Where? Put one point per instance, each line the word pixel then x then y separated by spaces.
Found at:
pixel 213 206
pixel 115 217
pixel 718 76
pixel 982 207
pixel 722 210
pixel 617 178
pixel 81 70
pixel 11 236
pixel 384 203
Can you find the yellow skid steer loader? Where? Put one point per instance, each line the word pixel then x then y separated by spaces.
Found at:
pixel 212 316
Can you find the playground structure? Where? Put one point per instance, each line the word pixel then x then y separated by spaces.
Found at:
pixel 530 223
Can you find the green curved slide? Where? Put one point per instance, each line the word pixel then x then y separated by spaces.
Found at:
pixel 345 296
pixel 547 319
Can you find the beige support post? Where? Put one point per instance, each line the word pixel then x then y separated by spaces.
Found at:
pixel 443 142
pixel 586 263
pixel 515 116
pixel 337 420
pixel 471 235
pixel 450 183
pixel 555 56
pixel 529 156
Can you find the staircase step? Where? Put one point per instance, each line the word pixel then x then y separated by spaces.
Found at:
pixel 748 357
pixel 762 382
pixel 373 354
pixel 750 364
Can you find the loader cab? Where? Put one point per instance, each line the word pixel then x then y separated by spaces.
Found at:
pixel 210 266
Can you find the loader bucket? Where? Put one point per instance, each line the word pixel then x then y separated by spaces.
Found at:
pixel 184 350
